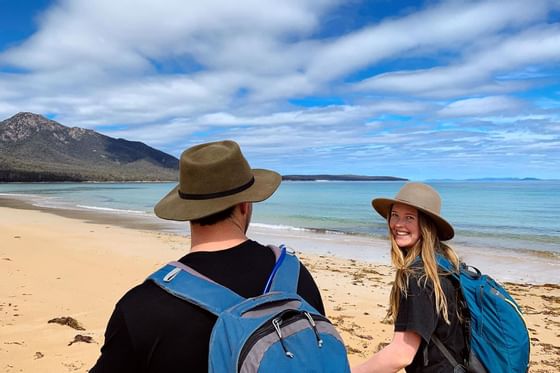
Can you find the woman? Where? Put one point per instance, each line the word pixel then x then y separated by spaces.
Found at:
pixel 423 301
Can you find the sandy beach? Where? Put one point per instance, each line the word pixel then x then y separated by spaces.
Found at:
pixel 73 267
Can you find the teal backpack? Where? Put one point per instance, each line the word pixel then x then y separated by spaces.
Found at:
pixel 497 336
pixel 277 331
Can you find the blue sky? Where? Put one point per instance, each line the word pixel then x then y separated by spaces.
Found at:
pixel 417 89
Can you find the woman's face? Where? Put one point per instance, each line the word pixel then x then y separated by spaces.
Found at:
pixel 403 223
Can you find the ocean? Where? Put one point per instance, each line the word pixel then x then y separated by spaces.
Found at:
pixel 510 215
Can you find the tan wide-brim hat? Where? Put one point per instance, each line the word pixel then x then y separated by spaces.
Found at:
pixel 212 178
pixel 422 197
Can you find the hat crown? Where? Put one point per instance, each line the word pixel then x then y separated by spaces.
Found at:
pixel 420 195
pixel 212 178
pixel 213 168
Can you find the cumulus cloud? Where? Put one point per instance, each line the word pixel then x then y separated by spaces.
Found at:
pixel 108 33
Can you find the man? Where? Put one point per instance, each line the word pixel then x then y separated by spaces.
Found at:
pixel 153 331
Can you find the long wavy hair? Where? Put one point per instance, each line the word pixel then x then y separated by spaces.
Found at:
pixel 425 248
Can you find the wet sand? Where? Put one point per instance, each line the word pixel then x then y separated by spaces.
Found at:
pixel 76 265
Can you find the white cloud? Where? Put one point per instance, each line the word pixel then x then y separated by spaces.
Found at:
pixel 481 106
pixel 448 25
pixel 527 118
pixel 535 46
pixel 130 32
pixel 223 124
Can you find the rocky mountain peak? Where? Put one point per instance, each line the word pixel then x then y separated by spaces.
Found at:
pixel 24 125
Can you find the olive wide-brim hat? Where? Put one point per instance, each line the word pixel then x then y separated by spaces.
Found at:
pixel 422 197
pixel 212 178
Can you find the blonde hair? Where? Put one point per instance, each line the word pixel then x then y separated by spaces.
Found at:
pixel 425 248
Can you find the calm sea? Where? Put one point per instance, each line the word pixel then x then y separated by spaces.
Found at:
pixel 515 215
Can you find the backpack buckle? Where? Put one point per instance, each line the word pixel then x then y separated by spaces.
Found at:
pixel 171 275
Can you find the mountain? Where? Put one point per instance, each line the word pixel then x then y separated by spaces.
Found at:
pixel 340 178
pixel 34 148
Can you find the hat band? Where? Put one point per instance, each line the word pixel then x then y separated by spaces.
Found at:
pixel 217 194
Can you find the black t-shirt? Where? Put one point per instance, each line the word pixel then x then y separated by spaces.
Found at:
pixel 151 331
pixel 417 313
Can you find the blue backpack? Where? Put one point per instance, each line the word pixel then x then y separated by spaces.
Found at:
pixel 277 331
pixel 497 336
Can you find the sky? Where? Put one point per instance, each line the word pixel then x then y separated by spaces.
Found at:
pixel 414 89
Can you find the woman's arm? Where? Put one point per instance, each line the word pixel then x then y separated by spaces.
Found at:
pixel 395 356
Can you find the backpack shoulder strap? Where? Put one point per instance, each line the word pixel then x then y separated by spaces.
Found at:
pixel 457 368
pixel 185 283
pixel 285 275
pixel 444 263
pixel 447 266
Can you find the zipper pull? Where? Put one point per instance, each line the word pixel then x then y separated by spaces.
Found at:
pixel 314 326
pixel 276 323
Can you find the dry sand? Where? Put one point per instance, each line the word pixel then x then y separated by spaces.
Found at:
pixel 64 267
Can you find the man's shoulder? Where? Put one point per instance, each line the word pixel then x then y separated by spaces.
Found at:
pixel 145 295
pixel 140 293
pixel 147 302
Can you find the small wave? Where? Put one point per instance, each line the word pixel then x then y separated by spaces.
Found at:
pixel 541 253
pixel 299 229
pixel 279 227
pixel 19 195
pixel 108 209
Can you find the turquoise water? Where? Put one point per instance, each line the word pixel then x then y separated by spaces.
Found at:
pixel 517 215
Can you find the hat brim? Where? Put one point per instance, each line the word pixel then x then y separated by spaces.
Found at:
pixel 173 207
pixel 445 230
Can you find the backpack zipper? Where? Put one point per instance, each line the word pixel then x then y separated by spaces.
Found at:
pixel 314 326
pixel 276 323
pixel 281 321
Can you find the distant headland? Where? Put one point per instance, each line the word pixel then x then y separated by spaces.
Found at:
pixel 340 178
pixel 492 179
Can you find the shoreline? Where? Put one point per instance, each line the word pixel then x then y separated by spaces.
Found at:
pixel 504 265
pixel 54 266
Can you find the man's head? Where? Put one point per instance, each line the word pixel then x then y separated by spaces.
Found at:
pixel 213 178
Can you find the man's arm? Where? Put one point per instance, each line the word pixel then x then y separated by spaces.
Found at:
pixel 117 353
pixel 309 291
